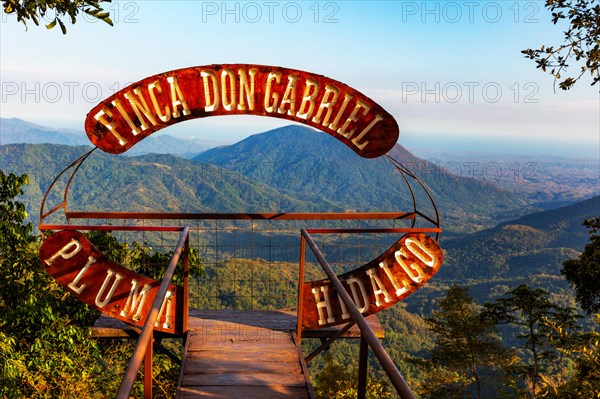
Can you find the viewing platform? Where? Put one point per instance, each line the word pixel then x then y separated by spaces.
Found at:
pixel 240 353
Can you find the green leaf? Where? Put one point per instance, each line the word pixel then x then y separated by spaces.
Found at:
pixel 51 24
pixel 62 27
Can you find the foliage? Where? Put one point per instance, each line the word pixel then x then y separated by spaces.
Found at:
pixel 536 319
pixel 467 348
pixel 337 381
pixel 143 259
pixel 44 347
pixel 581 42
pixel 56 10
pixel 583 348
pixel 584 272
pixel 291 159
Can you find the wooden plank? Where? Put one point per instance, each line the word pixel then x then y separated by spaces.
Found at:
pixel 207 366
pixel 244 379
pixel 107 327
pixel 226 333
pixel 352 333
pixel 201 321
pixel 309 388
pixel 272 320
pixel 240 346
pixel 285 355
pixel 237 392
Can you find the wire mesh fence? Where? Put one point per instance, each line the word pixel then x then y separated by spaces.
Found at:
pixel 250 263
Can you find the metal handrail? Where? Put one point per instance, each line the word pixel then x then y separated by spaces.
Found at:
pixel 242 216
pixel 386 362
pixel 147 333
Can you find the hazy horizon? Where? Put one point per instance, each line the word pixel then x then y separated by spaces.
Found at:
pixel 451 73
pixel 414 142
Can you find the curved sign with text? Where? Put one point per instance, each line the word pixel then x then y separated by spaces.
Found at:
pixel 379 284
pixel 76 264
pixel 137 111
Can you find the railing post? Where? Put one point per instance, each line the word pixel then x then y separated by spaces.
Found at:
pixel 145 340
pixel 300 307
pixel 363 363
pixel 186 288
pixel 148 368
pixel 384 358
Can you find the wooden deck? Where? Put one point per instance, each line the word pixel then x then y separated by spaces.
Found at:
pixel 241 354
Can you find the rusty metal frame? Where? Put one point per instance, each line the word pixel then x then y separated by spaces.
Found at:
pixel 143 348
pixel 327 343
pixel 77 164
pixel 367 334
pixel 404 171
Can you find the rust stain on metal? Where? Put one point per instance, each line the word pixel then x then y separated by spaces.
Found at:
pixel 76 264
pixel 379 284
pixel 137 111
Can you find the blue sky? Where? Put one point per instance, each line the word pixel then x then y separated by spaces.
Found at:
pixel 451 73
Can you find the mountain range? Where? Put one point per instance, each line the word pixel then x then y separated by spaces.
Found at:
pixel 493 237
pixel 18 131
pixel 296 167
pixel 306 163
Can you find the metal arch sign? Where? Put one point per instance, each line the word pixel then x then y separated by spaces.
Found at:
pixel 137 111
pixel 379 284
pixel 76 264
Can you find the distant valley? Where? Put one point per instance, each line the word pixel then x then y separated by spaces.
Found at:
pixel 296 169
pixel 496 233
pixel 547 181
pixel 544 182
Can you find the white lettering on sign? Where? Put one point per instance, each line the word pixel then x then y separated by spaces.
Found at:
pixel 177 99
pixel 111 126
pixel 421 252
pixel 379 284
pixel 73 284
pixel 163 116
pixel 378 287
pixel 361 301
pixel 246 89
pixel 210 104
pixel 67 252
pixel 76 264
pixel 345 314
pixel 325 303
pixel 166 304
pixel 399 290
pixel 109 274
pixel 139 110
pixel 134 300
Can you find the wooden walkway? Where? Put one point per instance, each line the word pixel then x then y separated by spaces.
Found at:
pixel 241 354
pixel 237 354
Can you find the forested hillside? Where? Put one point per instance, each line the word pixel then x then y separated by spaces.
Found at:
pixel 297 169
pixel 159 183
pixel 301 161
